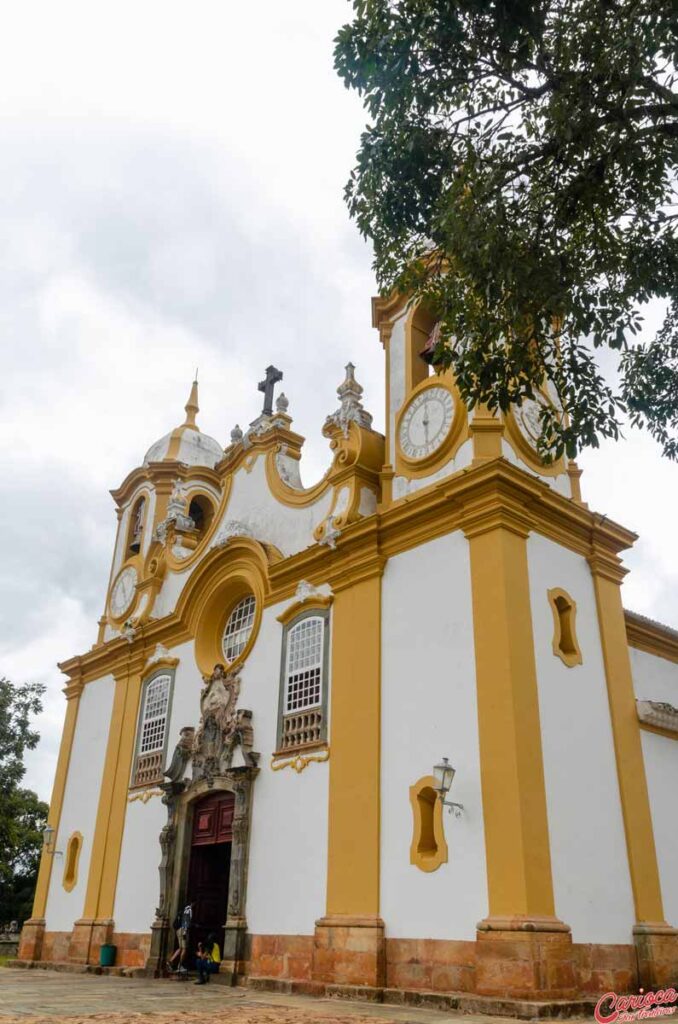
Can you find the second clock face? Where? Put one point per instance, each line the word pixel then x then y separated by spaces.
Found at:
pixel 122 593
pixel 426 422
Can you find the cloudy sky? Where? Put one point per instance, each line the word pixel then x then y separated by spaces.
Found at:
pixel 171 181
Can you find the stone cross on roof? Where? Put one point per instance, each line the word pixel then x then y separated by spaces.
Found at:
pixel 273 375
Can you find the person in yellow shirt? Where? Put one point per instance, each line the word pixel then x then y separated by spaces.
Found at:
pixel 207 959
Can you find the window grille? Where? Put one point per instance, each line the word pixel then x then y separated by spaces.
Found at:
pixel 239 628
pixel 304 665
pixel 302 712
pixel 152 731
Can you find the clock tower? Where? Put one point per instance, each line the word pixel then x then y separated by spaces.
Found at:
pixel 430 433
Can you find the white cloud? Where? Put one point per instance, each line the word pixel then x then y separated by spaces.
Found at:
pixel 171 196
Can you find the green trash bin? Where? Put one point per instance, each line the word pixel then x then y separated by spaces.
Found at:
pixel 107 955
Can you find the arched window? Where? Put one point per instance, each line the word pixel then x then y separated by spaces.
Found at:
pixel 239 628
pixel 201 512
pixel 136 527
pixel 303 685
pixel 153 726
pixel 73 847
pixel 565 643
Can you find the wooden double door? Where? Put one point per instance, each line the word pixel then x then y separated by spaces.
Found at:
pixel 209 866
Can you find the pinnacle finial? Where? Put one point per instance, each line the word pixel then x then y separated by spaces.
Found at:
pixel 192 408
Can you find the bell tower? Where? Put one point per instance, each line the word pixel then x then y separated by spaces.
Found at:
pixel 430 433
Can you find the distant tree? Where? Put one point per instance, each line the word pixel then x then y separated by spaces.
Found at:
pixel 22 814
pixel 520 172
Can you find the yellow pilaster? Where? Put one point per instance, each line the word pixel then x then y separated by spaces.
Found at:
pixel 72 691
pixel 487 430
pixel 353 854
pixel 607 577
pixel 512 774
pixel 103 871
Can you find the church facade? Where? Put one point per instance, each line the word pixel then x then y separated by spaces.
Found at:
pixel 280 670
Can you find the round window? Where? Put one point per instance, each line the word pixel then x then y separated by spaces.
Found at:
pixel 239 628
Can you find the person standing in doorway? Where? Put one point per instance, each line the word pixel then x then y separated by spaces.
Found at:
pixel 182 926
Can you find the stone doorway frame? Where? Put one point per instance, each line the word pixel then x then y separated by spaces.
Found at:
pixel 175 842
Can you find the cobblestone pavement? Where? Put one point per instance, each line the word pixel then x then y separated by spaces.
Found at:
pixel 49 997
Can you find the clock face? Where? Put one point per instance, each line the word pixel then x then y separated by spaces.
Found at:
pixel 426 422
pixel 527 417
pixel 122 593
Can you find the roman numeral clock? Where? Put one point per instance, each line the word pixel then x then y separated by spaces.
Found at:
pixel 427 426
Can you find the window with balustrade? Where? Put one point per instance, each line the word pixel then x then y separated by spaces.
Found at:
pixel 302 719
pixel 153 727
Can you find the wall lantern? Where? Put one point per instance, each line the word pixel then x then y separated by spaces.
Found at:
pixel 444 774
pixel 48 841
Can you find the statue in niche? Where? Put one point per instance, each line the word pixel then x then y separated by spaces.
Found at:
pixel 222 728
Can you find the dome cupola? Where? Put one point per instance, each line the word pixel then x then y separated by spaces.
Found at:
pixel 187 443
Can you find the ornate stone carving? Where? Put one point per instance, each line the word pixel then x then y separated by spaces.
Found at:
pixel 658 713
pixel 181 756
pixel 222 728
pixel 351 409
pixel 236 434
pixel 306 590
pixel 177 521
pixel 228 529
pixel 159 654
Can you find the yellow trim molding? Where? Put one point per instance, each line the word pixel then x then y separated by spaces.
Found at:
pixel 642 856
pixel 226 582
pixel 354 785
pixel 428 849
pixel 314 602
pixel 299 761
pixel 607 576
pixel 491 491
pixel 518 850
pixel 564 611
pixel 71 861
pixel 110 821
pixel 73 692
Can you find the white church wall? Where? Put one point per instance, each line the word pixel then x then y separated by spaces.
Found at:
pixel 81 800
pixel 429 710
pixel 661 768
pixel 137 889
pixel 138 886
pixel 654 678
pixel 591 879
pixel 288 845
pixel 289 528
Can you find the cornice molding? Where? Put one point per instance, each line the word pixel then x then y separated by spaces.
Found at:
pixel 493 495
pixel 651 637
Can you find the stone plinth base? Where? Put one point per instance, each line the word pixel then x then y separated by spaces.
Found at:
pixel 349 951
pixel 657 950
pixel 281 956
pixel 87 938
pixel 433 965
pixel 32 937
pixel 521 958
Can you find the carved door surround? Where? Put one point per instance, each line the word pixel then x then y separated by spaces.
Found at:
pixel 222 729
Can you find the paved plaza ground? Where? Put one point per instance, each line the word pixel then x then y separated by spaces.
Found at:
pixel 38 997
